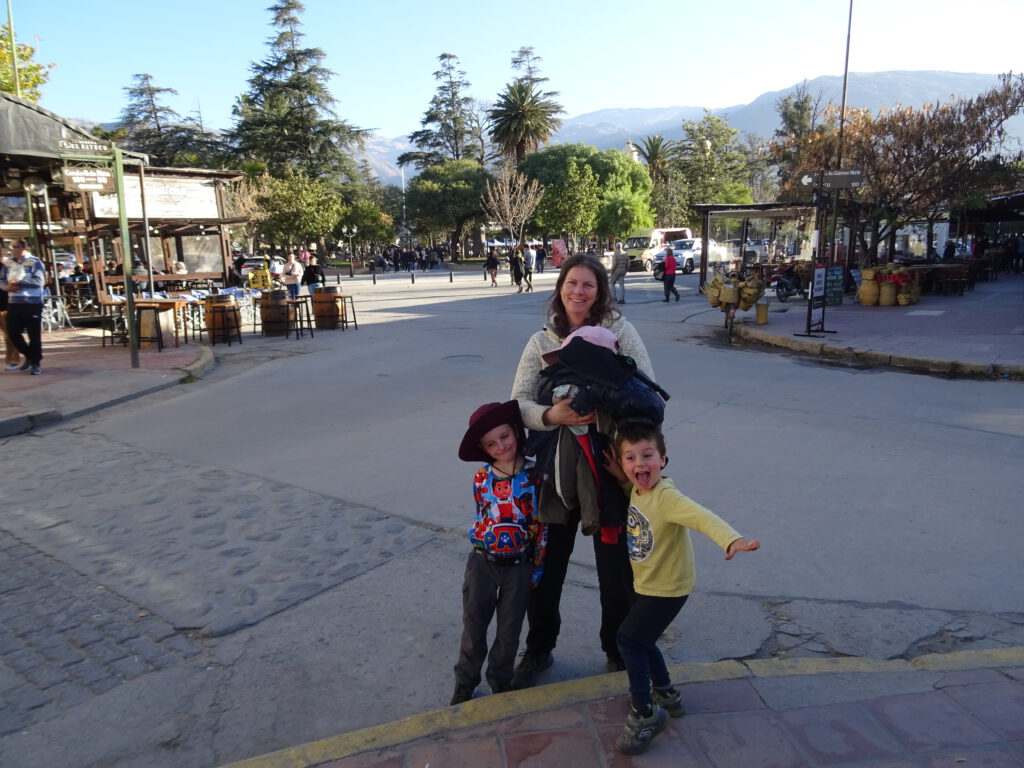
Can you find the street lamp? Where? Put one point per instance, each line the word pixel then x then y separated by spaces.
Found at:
pixel 350 232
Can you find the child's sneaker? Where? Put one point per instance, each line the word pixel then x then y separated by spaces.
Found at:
pixel 462 694
pixel 669 700
pixel 639 731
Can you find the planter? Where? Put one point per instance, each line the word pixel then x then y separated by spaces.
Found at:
pixel 887 294
pixel 867 294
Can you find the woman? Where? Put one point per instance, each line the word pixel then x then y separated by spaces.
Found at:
pixel 491 267
pixel 581 297
pixel 313 276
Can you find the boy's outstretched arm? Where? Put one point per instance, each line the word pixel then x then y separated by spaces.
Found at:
pixel 741 545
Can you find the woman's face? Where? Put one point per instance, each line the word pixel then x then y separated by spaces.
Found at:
pixel 578 294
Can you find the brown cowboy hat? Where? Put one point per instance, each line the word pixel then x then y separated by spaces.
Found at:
pixel 484 419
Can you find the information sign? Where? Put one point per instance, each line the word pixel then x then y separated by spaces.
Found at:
pixel 842 179
pixel 80 178
pixel 834 286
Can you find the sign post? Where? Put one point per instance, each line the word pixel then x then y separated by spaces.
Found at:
pixel 98 161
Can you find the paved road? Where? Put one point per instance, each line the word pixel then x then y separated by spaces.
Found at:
pixel 278 548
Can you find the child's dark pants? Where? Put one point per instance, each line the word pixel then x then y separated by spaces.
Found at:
pixel 487 587
pixel 638 637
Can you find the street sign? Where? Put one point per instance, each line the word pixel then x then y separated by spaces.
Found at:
pixel 81 178
pixel 84 146
pixel 842 179
pixel 807 179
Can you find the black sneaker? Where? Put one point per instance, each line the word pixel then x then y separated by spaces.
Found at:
pixel 503 687
pixel 531 664
pixel 25 366
pixel 462 694
pixel 639 731
pixel 669 700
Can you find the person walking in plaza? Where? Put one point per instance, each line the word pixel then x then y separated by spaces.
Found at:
pixel 670 275
pixel 12 358
pixel 542 253
pixel 491 267
pixel 313 276
pixel 292 274
pixel 529 261
pixel 581 298
pixel 506 559
pixel 22 279
pixel 620 266
pixel 661 554
pixel 515 263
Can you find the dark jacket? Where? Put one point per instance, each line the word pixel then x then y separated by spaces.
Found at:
pixel 313 273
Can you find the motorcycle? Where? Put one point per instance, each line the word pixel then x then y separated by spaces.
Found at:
pixel 787 283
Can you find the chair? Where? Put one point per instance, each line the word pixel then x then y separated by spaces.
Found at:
pixel 113 324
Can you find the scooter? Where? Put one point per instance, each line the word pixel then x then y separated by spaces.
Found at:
pixel 787 284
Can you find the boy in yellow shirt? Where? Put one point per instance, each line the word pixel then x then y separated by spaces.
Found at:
pixel 658 526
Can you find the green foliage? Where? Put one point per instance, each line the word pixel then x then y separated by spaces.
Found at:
pixel 373 224
pixel 621 212
pixel 712 159
pixel 523 119
pixel 657 153
pixel 297 209
pixel 286 119
pixel 571 204
pixel 448 196
pixel 446 132
pixel 32 75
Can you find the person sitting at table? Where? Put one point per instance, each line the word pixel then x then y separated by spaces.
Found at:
pixel 180 268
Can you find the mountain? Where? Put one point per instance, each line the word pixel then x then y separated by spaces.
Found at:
pixel 610 128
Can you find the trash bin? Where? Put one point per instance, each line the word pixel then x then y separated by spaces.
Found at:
pixel 762 313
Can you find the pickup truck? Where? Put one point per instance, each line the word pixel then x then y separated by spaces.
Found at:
pixel 644 244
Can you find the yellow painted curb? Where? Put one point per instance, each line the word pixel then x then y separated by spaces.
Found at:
pixel 491 709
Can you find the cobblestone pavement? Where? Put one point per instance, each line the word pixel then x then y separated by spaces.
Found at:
pixel 65 638
pixel 210 550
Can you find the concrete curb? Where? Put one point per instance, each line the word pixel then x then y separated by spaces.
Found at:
pixel 495 708
pixel 952 368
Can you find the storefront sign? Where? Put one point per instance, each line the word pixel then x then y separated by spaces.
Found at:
pixel 80 178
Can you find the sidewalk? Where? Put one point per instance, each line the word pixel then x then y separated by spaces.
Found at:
pixel 979 334
pixel 80 376
pixel 948 710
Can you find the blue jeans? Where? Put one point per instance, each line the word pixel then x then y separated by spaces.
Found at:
pixel 637 639
pixel 293 290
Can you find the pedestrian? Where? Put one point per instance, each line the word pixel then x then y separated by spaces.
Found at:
pixel 542 253
pixel 491 267
pixel 661 555
pixel 529 261
pixel 507 555
pixel 12 359
pixel 581 297
pixel 292 274
pixel 516 262
pixel 22 279
pixel 620 266
pixel 313 276
pixel 670 275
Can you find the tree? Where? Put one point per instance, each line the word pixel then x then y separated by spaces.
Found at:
pixel 571 205
pixel 510 200
pixel 528 63
pixel 32 75
pixel 657 153
pixel 523 119
pixel 286 119
pixel 446 126
pixel 917 162
pixel 801 116
pixel 712 159
pixel 448 197
pixel 621 212
pixel 297 209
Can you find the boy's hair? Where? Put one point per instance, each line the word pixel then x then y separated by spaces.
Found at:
pixel 633 431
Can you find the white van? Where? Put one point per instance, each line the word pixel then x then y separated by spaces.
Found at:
pixel 644 244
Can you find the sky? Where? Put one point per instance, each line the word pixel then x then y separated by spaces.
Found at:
pixel 597 54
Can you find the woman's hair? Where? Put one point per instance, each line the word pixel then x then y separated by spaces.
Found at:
pixel 601 313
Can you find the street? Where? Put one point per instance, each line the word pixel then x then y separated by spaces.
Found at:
pixel 274 554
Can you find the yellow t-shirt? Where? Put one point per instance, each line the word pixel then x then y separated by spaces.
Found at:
pixel 658 527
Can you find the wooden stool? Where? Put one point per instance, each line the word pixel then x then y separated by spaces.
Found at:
pixel 217 319
pixel 344 315
pixel 158 335
pixel 302 320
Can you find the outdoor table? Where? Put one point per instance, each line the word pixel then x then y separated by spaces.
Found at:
pixel 176 304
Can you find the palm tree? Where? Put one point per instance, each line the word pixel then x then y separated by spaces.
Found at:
pixel 523 119
pixel 657 153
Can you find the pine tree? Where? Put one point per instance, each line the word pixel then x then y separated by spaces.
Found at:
pixel 286 119
pixel 447 125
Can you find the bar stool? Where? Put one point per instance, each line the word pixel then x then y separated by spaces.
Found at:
pixel 217 317
pixel 158 336
pixel 344 315
pixel 302 320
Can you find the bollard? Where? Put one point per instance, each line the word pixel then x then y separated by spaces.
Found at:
pixel 337 279
pixel 413 276
pixel 374 278
pixel 350 273
pixel 451 276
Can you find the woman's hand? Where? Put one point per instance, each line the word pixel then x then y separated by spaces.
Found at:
pixel 611 463
pixel 561 413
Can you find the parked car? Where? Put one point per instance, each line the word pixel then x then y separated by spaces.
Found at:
pixel 688 256
pixel 255 262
